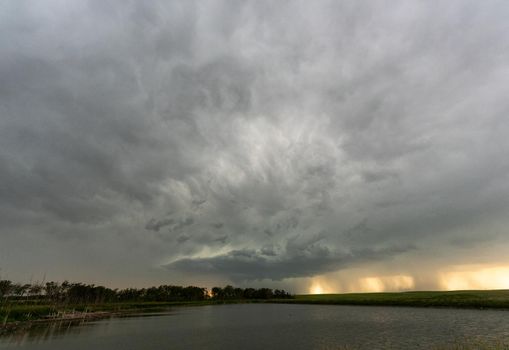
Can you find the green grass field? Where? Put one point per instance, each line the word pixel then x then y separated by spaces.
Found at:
pixel 457 299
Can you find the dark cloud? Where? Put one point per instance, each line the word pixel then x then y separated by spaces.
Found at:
pixel 155 225
pixel 247 265
pixel 218 225
pixel 252 139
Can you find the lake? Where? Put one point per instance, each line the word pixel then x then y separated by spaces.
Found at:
pixel 273 326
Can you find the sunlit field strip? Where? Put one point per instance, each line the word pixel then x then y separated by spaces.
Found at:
pixel 467 298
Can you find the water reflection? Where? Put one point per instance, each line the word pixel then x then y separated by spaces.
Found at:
pixel 45 332
pixel 41 332
pixel 259 326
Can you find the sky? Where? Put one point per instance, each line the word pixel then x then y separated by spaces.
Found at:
pixel 316 146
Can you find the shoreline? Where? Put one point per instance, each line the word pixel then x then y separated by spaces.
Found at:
pixel 45 313
pixel 18 330
pixel 102 311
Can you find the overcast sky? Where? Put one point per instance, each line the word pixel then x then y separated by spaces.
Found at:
pixel 253 142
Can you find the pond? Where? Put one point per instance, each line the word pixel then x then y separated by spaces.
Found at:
pixel 274 326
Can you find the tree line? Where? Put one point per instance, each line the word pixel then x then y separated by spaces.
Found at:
pixel 230 292
pixel 76 293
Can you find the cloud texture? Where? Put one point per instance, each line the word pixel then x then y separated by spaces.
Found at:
pixel 250 140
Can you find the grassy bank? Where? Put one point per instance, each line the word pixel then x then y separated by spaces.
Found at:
pixel 15 312
pixel 458 299
pixel 19 312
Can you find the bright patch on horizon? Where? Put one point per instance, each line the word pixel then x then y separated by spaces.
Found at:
pixel 354 284
pixel 386 283
pixel 316 289
pixel 478 278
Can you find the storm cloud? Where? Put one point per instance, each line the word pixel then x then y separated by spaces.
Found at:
pixel 245 141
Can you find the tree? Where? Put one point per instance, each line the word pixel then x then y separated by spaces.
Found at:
pixel 217 293
pixel 5 288
pixel 52 290
pixel 35 289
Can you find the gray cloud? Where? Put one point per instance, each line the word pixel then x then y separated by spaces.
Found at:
pixel 155 225
pixel 167 139
pixel 247 265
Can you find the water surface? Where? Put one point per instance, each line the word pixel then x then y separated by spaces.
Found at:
pixel 274 326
